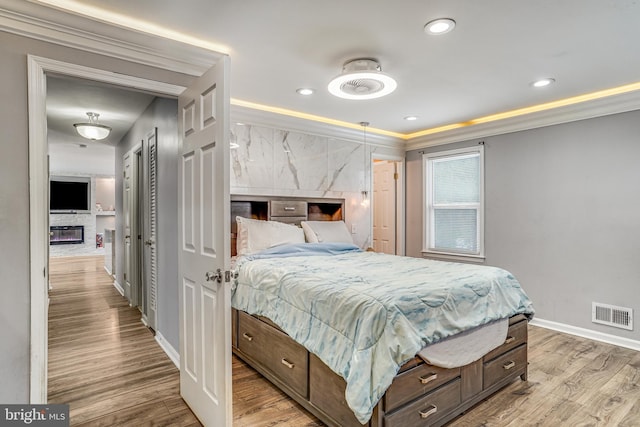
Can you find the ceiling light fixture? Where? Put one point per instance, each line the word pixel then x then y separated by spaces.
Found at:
pixel 411 118
pixel 92 130
pixel 543 82
pixel 439 26
pixel 305 91
pixel 362 79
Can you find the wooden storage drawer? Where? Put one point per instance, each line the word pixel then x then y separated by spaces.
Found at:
pixel 427 410
pixel 516 336
pixel 289 219
pixel 415 382
pixel 504 366
pixel 288 208
pixel 275 351
pixel 327 393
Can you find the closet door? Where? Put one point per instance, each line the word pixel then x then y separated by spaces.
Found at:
pixel 150 271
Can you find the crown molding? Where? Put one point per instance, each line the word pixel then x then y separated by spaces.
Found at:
pixel 280 121
pixel 586 110
pixel 37 21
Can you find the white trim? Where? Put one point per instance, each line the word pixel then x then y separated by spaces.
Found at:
pixel 280 121
pixel 168 349
pixel 586 110
pixel 452 257
pixel 38 210
pixel 118 288
pixel 38 232
pixel 80 71
pixel 587 333
pixel 37 21
pixel 427 191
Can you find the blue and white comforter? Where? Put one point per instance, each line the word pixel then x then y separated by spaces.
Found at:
pixel 364 314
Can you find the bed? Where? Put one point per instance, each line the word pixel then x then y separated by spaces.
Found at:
pixel 349 333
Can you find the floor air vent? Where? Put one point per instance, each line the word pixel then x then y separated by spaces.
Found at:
pixel 619 317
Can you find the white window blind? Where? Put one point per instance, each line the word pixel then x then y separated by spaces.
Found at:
pixel 454 202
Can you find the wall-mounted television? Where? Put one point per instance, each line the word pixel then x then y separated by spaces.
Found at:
pixel 69 194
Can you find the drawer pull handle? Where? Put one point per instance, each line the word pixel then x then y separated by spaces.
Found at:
pixel 509 365
pixel 425 379
pixel 509 340
pixel 247 337
pixel 432 410
pixel 289 208
pixel 288 364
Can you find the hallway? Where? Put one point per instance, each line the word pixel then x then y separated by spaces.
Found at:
pixel 108 367
pixel 103 361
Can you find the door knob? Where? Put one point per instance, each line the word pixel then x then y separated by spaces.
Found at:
pixel 210 276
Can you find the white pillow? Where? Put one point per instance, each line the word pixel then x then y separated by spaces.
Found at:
pixel 255 235
pixel 326 231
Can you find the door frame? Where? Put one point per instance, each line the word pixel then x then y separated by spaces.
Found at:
pixel 133 290
pixel 400 198
pixel 38 68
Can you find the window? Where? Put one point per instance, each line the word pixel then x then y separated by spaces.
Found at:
pixel 454 202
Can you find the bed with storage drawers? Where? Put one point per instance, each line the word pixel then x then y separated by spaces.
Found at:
pixel 298 326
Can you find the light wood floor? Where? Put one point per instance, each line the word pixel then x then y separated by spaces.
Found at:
pixel 107 366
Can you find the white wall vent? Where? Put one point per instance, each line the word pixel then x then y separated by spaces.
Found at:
pixel 611 315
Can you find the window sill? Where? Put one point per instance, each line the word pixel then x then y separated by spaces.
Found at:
pixel 443 256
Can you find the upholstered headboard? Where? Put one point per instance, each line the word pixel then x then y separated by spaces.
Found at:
pixel 291 210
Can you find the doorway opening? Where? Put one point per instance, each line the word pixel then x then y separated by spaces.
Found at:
pixel 41 132
pixel 387 207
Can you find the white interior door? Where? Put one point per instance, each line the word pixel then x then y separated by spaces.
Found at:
pixel 150 270
pixel 205 296
pixel 126 208
pixel 384 207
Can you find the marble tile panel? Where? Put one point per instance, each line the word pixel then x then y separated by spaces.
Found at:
pixel 252 159
pixel 346 165
pixel 300 161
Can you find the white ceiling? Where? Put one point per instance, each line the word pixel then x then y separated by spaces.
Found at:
pixel 69 100
pixel 485 66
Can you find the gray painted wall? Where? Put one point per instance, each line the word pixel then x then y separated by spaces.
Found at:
pixel 14 194
pixel 163 114
pixel 562 214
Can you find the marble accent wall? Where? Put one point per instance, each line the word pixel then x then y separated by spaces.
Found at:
pixel 266 161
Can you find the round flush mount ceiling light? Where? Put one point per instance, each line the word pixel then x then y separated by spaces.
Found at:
pixel 305 91
pixel 92 130
pixel 411 118
pixel 543 82
pixel 439 26
pixel 362 79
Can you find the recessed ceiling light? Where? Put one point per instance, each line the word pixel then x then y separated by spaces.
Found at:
pixel 439 26
pixel 305 91
pixel 543 82
pixel 411 118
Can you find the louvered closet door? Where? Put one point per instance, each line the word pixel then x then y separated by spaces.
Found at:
pixel 150 225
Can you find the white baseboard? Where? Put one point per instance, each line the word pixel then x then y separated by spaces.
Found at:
pixel 108 271
pixel 168 348
pixel 587 333
pixel 118 287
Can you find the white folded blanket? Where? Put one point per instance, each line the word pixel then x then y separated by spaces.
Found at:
pixel 466 347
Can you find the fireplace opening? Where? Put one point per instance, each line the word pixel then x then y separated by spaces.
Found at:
pixel 66 234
